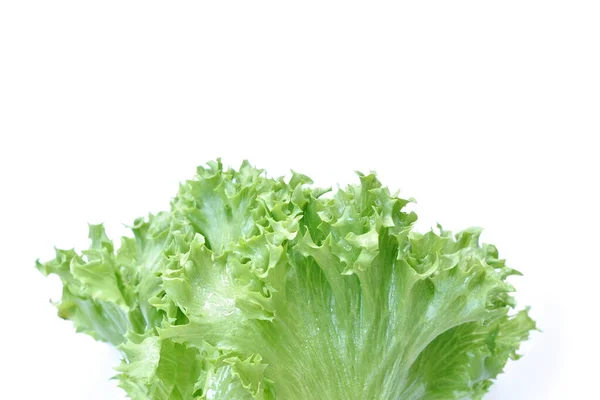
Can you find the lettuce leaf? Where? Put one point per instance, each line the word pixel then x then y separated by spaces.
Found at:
pixel 252 287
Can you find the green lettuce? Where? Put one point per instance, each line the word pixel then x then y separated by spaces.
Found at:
pixel 252 287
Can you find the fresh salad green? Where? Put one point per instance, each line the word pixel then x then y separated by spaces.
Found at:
pixel 252 287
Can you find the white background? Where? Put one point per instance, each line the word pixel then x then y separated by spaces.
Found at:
pixel 485 112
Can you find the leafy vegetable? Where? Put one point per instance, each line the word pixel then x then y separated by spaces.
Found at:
pixel 259 288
